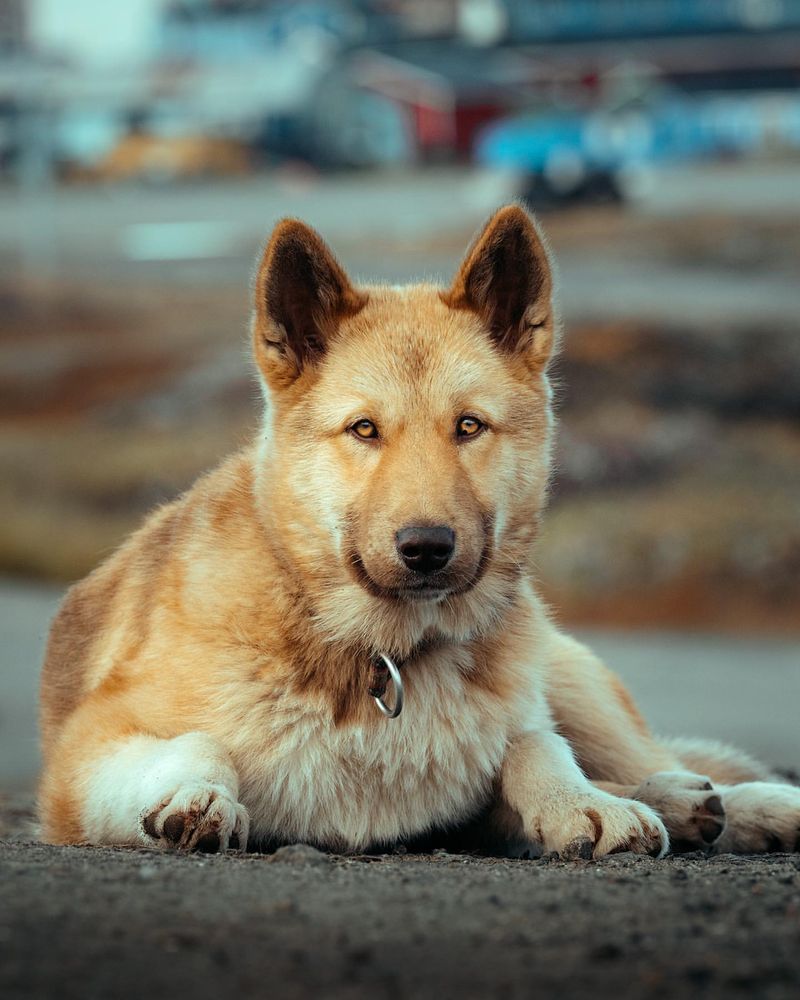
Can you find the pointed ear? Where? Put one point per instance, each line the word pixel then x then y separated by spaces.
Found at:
pixel 506 280
pixel 302 295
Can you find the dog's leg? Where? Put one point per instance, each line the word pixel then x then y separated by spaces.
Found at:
pixel 763 813
pixel 692 784
pixel 750 818
pixel 562 810
pixel 616 749
pixel 599 718
pixel 180 792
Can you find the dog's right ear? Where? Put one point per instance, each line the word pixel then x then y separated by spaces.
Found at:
pixel 302 295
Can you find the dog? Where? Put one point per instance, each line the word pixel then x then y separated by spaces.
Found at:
pixel 225 677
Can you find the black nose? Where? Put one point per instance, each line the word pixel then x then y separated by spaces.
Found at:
pixel 426 549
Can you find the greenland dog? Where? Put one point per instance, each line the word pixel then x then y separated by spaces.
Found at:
pixel 215 679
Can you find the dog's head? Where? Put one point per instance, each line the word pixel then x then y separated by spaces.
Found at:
pixel 407 444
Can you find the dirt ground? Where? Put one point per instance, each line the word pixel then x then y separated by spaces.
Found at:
pixel 97 923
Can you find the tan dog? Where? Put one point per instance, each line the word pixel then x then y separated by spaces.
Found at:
pixel 213 677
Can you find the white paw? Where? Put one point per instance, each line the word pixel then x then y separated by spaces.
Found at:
pixel 197 817
pixel 595 823
pixel 692 811
pixel 762 817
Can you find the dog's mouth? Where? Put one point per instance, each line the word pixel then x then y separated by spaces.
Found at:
pixel 435 587
pixel 429 589
pixel 426 591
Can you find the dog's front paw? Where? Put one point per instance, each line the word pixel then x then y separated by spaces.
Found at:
pixel 692 810
pixel 198 817
pixel 596 823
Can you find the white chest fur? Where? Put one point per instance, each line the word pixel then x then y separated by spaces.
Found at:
pixel 303 778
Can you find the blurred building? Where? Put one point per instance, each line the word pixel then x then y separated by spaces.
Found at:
pixel 563 20
pixel 169 88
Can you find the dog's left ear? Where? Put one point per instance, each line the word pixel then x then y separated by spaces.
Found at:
pixel 302 295
pixel 506 279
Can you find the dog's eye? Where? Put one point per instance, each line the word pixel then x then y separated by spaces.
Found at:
pixel 364 429
pixel 469 427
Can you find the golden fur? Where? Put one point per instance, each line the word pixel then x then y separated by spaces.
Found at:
pixel 211 678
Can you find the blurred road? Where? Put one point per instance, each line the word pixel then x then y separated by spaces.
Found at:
pixel 744 690
pixel 393 226
pixel 25 613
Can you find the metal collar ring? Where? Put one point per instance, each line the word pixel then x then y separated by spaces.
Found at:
pixel 397 680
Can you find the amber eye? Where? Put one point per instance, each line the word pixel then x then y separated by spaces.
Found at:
pixel 364 429
pixel 469 427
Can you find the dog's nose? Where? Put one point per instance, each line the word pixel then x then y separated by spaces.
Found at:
pixel 425 549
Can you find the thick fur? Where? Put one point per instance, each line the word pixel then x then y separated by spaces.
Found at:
pixel 210 681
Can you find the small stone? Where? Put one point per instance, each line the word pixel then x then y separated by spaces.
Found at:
pixel 606 952
pixel 299 854
pixel 360 956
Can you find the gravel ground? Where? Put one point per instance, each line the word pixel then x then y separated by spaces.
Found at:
pixel 88 922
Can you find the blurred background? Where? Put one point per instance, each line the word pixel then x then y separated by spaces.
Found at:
pixel 147 148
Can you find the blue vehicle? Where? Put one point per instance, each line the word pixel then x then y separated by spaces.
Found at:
pixel 575 153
